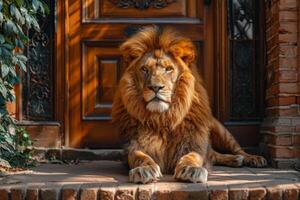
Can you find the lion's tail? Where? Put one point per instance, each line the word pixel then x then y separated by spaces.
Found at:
pixel 222 140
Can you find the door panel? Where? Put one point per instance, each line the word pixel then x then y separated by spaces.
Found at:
pixel 96 29
pixel 133 11
pixel 101 68
pixel 175 9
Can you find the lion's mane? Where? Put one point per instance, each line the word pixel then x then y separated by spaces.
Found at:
pixel 190 103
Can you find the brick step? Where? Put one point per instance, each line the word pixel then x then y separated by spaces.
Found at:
pixel 108 180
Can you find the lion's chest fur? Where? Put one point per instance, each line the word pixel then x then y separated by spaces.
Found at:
pixel 167 147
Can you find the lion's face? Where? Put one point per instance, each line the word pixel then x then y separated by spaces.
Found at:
pixel 158 74
pixel 158 84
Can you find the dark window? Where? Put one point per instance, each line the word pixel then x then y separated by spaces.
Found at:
pixel 38 82
pixel 245 51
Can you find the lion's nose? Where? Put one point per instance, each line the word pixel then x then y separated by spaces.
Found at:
pixel 156 88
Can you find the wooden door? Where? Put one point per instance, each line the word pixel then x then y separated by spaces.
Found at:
pixel 96 29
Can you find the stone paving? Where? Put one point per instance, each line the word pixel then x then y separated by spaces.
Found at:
pixel 108 180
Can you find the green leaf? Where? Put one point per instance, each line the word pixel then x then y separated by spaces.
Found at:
pixel 22 57
pixel 22 36
pixel 13 72
pixel 10 96
pixel 9 140
pixel 2 39
pixel 4 70
pixel 10 27
pixel 1 18
pixel 42 10
pixel 14 79
pixel 16 18
pixel 25 135
pixel 8 46
pixel 14 60
pixel 22 65
pixel 28 21
pixel 35 5
pixel 19 2
pixel 23 10
pixel 19 43
pixel 6 53
pixel 14 11
pixel 3 89
pixel 35 24
pixel 20 30
pixel 46 8
pixel 2 129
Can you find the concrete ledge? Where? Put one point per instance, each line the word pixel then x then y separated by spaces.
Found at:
pixel 69 154
pixel 108 180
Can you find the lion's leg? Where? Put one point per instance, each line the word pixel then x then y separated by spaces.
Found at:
pixel 226 159
pixel 222 139
pixel 190 168
pixel 143 168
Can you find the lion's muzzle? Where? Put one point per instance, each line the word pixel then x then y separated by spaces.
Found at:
pixel 157 99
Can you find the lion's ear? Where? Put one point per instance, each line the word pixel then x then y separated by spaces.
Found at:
pixel 185 50
pixel 131 50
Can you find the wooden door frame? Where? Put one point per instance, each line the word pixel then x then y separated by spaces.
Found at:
pixel 217 47
pixel 221 65
pixel 222 60
pixel 222 70
pixel 62 69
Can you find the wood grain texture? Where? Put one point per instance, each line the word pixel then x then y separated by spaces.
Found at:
pixel 103 27
pixel 95 64
pixel 107 11
pixel 101 70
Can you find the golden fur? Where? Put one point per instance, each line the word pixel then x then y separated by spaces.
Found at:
pixel 163 114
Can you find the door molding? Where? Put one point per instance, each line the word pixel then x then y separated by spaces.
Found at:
pixel 62 63
pixel 62 66
pixel 217 47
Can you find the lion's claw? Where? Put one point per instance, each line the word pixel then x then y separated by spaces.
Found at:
pixel 145 174
pixel 192 174
pixel 255 161
pixel 237 161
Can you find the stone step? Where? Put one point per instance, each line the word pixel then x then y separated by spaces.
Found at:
pixel 67 153
pixel 108 180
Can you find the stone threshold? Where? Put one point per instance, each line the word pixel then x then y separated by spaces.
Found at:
pixel 108 180
pixel 69 154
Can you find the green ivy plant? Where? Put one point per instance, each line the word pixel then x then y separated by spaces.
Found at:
pixel 17 17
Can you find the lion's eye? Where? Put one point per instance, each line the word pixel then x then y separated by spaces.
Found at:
pixel 144 69
pixel 169 69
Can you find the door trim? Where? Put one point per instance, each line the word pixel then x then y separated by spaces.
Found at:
pixel 62 53
pixel 216 46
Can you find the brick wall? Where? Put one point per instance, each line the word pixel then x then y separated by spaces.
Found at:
pixel 281 127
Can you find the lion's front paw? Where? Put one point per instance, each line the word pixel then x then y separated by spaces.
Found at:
pixel 236 161
pixel 192 174
pixel 145 174
pixel 255 161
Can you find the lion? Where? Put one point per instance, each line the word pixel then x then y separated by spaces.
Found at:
pixel 163 113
